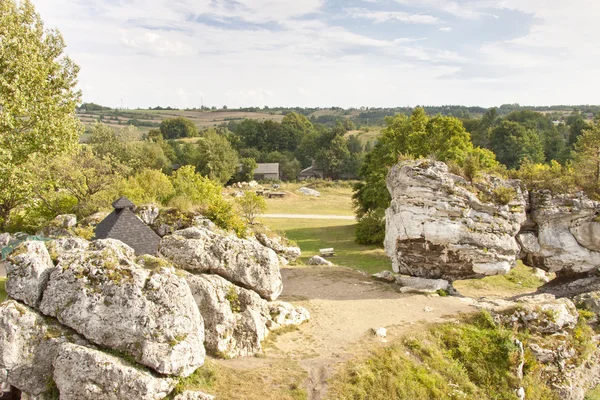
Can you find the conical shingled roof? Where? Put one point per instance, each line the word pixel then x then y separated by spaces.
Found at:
pixel 122 203
pixel 122 224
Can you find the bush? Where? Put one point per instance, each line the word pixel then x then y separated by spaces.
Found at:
pixel 371 228
pixel 504 195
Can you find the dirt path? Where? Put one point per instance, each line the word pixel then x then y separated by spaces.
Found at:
pixel 345 305
pixel 309 216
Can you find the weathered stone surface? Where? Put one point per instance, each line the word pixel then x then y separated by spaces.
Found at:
pixel 309 192
pixel 5 239
pixel 387 276
pixel 236 319
pixel 149 315
pixel 243 262
pixel 193 395
pixel 290 253
pixel 61 226
pixel 589 301
pixel 543 313
pixel 28 268
pixel 81 373
pixel 380 332
pixel 565 233
pixel 28 344
pixel 318 260
pixel 147 213
pixel 438 228
pixel 542 355
pixel 421 285
pixel 62 248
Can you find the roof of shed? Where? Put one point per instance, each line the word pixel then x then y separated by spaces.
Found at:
pixel 267 168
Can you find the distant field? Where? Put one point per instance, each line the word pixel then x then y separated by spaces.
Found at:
pixel 314 234
pixel 333 201
pixel 372 135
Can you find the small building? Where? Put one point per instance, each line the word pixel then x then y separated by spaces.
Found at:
pixel 312 172
pixel 122 224
pixel 266 171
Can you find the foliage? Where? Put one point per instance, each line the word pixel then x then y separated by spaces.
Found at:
pixel 148 186
pixel 218 161
pixel 513 143
pixel 251 205
pixel 586 159
pixel 504 194
pixel 246 173
pixel 175 128
pixel 472 359
pixel 553 176
pixel 371 228
pixel 37 100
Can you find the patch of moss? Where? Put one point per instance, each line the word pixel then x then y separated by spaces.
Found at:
pixel 52 392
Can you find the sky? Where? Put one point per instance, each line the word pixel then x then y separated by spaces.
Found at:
pixel 323 53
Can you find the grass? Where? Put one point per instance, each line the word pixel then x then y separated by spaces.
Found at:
pixel 593 394
pixel 2 289
pixel 314 234
pixel 519 279
pixel 333 201
pixel 281 379
pixel 474 359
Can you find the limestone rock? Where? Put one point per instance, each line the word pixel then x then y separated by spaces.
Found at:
pixel 291 253
pixel 543 313
pixel 589 301
pixel 542 355
pixel 149 315
pixel 380 332
pixel 62 248
pixel 243 262
pixel 318 260
pixel 438 228
pixel 283 314
pixel 61 226
pixel 28 268
pixel 94 219
pixel 421 285
pixel 565 240
pixel 28 344
pixel 82 373
pixel 147 213
pixel 193 395
pixel 5 239
pixel 385 275
pixel 309 192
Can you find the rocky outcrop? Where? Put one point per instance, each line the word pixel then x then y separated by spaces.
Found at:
pixel 243 262
pixel 29 342
pixel 438 226
pixel 149 315
pixel 318 260
pixel 563 238
pixel 237 320
pixel 147 213
pixel 542 314
pixel 290 253
pixel 28 269
pixel 61 226
pixel 84 373
pixel 410 284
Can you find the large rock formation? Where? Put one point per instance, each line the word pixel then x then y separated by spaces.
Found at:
pixel 243 262
pixel 439 227
pixel 563 236
pixel 149 315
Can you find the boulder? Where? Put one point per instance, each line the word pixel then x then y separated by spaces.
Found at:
pixel 81 373
pixel 564 239
pixel 62 248
pixel 28 268
pixel 541 354
pixel 590 301
pixel 60 226
pixel 149 315
pixel 379 332
pixel 421 285
pixel 243 262
pixel 309 192
pixel 318 260
pixel 28 344
pixel 283 314
pixel 147 213
pixel 290 253
pixel 387 276
pixel 439 226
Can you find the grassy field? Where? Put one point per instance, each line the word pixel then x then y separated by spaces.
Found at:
pixel 333 201
pixel 314 234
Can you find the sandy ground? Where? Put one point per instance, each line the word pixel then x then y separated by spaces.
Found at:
pixel 345 305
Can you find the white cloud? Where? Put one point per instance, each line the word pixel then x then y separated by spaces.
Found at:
pixel 385 16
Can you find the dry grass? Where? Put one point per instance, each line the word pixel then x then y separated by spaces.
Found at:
pixel 333 201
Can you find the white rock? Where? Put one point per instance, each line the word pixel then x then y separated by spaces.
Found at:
pixel 380 332
pixel 283 314
pixel 193 395
pixel 148 213
pixel 385 275
pixel 28 344
pixel 5 239
pixel 28 268
pixel 421 285
pixel 243 262
pixel 309 192
pixel 291 253
pixel 253 184
pixel 436 228
pixel 82 373
pixel 542 313
pixel 318 260
pixel 149 315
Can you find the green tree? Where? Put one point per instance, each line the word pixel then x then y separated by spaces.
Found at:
pixel 586 159
pixel 218 160
pixel 333 159
pixel 175 128
pixel 248 165
pixel 37 100
pixel 148 186
pixel 513 143
pixel 251 206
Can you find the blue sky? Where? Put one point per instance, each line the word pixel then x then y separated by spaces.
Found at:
pixel 323 53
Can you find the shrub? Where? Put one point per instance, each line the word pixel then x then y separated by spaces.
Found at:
pixel 504 195
pixel 371 228
pixel 251 205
